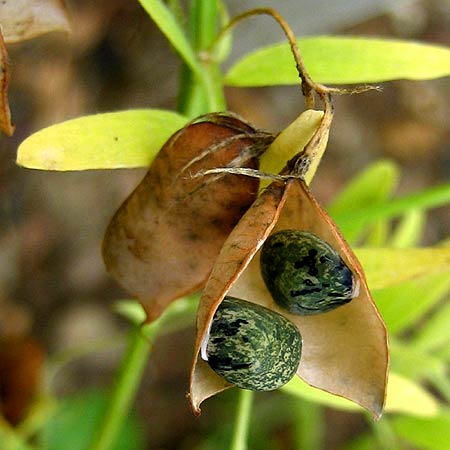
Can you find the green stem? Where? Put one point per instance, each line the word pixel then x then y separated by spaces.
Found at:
pixel 242 420
pixel 385 435
pixel 136 355
pixel 125 388
pixel 309 425
pixel 200 96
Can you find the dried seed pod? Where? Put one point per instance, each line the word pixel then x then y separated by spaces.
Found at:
pixel 304 274
pixel 251 346
pixel 163 241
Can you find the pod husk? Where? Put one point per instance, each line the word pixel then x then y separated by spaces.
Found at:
pixel 345 351
pixel 163 241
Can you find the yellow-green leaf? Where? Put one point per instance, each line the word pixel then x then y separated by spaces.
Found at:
pixel 425 433
pixel 373 186
pixel 342 60
pixel 102 141
pixel 167 23
pixel 401 305
pixel 389 266
pixel 291 141
pixel 403 395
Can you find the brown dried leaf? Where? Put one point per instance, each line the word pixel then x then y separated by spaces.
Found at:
pixel 5 114
pixel 21 363
pixel 25 19
pixel 164 239
pixel 345 351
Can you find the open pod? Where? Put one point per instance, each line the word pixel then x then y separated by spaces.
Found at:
pixel 345 351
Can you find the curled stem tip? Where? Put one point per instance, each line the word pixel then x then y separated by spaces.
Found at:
pixel 308 85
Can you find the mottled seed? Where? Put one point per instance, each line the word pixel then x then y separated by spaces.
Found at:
pixel 304 274
pixel 251 346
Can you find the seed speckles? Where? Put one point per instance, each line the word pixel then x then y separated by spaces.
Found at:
pixel 304 274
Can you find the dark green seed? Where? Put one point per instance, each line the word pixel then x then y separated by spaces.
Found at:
pixel 304 274
pixel 251 346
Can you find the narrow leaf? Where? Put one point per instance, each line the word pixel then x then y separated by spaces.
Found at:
pixel 404 304
pixel 409 230
pixel 167 23
pixel 385 267
pixel 407 397
pixel 342 60
pixel 435 332
pixel 425 433
pixel 103 141
pixel 371 187
pixel 25 19
pixel 414 363
pixel 403 396
pixel 429 198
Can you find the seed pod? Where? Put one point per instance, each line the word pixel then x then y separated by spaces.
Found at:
pixel 163 241
pixel 251 346
pixel 304 274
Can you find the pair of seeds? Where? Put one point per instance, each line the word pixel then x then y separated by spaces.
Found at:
pixel 256 348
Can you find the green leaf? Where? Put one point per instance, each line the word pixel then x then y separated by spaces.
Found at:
pixel 435 332
pixel 178 315
pixel 342 60
pixel 409 231
pixel 425 433
pixel 201 93
pixel 444 353
pixel 403 304
pixel 373 186
pixel 77 419
pixel 378 234
pixel 385 267
pixel 363 442
pixel 102 141
pixel 403 395
pixel 350 219
pixel 167 23
pixel 291 141
pixel 414 364
pixel 11 439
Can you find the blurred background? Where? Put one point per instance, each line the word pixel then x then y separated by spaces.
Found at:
pixel 53 285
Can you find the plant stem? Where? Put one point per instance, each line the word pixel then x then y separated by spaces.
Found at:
pixel 136 355
pixel 126 385
pixel 385 435
pixel 309 425
pixel 242 420
pixel 197 97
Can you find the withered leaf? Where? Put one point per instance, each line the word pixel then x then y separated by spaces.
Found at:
pixel 345 351
pixel 162 242
pixel 5 114
pixel 21 363
pixel 25 19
